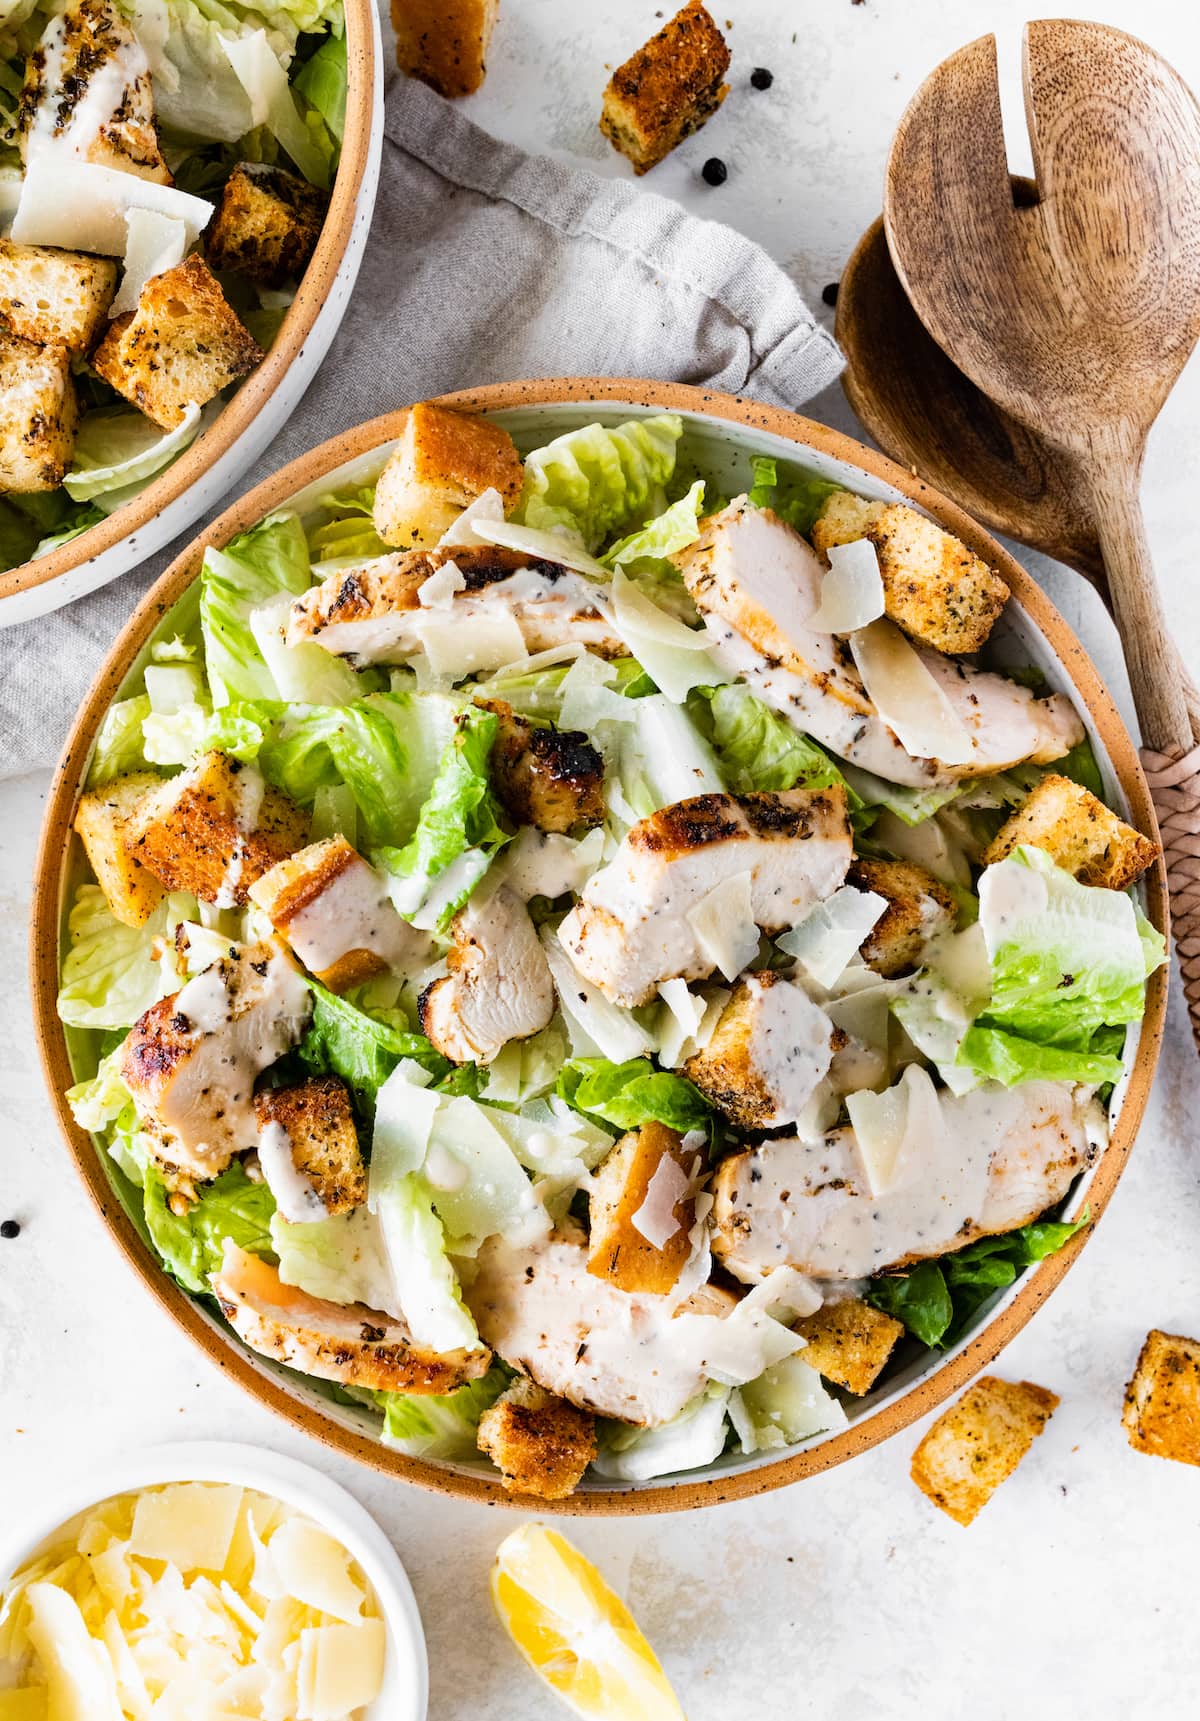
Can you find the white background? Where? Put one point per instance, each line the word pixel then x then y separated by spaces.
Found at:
pixel 848 1596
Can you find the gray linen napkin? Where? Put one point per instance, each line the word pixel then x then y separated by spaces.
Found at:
pixel 483 264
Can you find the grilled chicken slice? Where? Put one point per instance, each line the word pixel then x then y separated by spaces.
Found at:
pixel 550 778
pixel 346 1342
pixel 992 1160
pixel 771 1047
pixel 631 930
pixel 335 912
pixel 373 614
pixel 191 1060
pixel 499 986
pixel 87 95
pixel 756 582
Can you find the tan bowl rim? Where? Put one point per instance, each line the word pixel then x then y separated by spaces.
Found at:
pixel 225 1351
pixel 295 329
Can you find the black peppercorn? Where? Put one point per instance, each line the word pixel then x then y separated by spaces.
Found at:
pixel 9 1229
pixel 761 78
pixel 829 294
pixel 714 171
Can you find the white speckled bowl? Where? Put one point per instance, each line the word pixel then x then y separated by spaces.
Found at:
pixel 194 483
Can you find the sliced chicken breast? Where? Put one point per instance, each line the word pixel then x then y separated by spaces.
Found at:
pixel 499 986
pixel 374 613
pixel 191 1060
pixel 769 1051
pixel 550 778
pixel 991 1160
pixel 346 1342
pixel 631 930
pixel 756 582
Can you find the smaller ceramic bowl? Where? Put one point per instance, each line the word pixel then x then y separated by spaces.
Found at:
pixel 194 483
pixel 405 1692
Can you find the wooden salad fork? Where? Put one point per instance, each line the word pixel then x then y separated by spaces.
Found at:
pixel 1075 313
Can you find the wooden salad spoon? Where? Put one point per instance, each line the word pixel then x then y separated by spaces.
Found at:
pixel 1075 314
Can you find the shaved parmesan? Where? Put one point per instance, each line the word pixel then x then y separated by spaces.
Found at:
pixel 679 1023
pixel 154 243
pixel 655 1218
pixel 85 208
pixel 566 549
pixel 404 1115
pixel 597 1027
pixel 724 925
pixel 437 592
pixel 487 506
pixel 315 1569
pixel 340 1669
pixel 675 656
pixel 852 590
pixel 587 698
pixel 894 1128
pixel 80 1683
pixel 459 643
pixel 831 932
pixel 907 696
pixel 189 1523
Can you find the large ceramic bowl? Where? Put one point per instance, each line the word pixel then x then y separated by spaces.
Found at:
pixel 724 432
pixel 193 484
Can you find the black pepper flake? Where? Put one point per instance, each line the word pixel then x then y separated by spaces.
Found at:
pixel 10 1229
pixel 829 294
pixel 714 171
pixel 761 78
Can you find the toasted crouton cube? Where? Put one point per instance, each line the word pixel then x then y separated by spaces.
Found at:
pixel 444 42
pixel 550 778
pixel 214 829
pixel 667 90
pixel 318 1133
pixel 182 345
pixel 443 461
pixel 54 298
pixel 642 1208
pixel 1162 1401
pixel 102 820
pixel 267 224
pixel 978 1443
pixel 38 415
pixel 1078 832
pixel 934 587
pixel 740 1068
pixel 540 1444
pixel 918 908
pixel 848 1342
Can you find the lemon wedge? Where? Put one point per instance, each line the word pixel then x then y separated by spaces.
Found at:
pixel 575 1632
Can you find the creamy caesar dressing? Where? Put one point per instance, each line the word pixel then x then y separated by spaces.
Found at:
pixel 294 1194
pixel 546 863
pixel 69 118
pixel 354 912
pixel 791 1046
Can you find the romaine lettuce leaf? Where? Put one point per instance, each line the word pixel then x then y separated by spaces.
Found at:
pixel 630 1094
pixel 425 1280
pixel 665 535
pixel 273 105
pixel 344 530
pixel 252 569
pixel 990 1054
pixel 341 1259
pixel 321 81
pixel 786 1403
pixel 690 1440
pixel 110 974
pixel 793 492
pixel 595 481
pixel 191 1244
pixel 101 1099
pixel 117 447
pixel 119 747
pixel 313 747
pixel 441 1426
pixel 344 1041
pixel 759 750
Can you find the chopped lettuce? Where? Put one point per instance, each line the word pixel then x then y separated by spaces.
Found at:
pixel 340 1259
pixel 344 1041
pixel 361 745
pixel 110 973
pixel 444 1426
pixel 596 481
pixel 344 528
pixel 321 83
pixel 117 447
pixel 786 1403
pixel 796 494
pixel 668 533
pixel 989 1054
pixel 425 1280
pixel 758 750
pixel 253 568
pixel 119 745
pixel 304 672
pixel 101 1099
pixel 273 105
pixel 629 1094
pixel 937 1300
pixel 192 1243
pixel 690 1440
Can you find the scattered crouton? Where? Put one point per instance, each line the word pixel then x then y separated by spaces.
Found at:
pixel 318 1122
pixel 978 1443
pixel 182 345
pixel 39 413
pixel 540 1444
pixel 849 1342
pixel 55 298
pixel 266 226
pixel 667 90
pixel 214 829
pixel 102 820
pixel 918 908
pixel 1162 1401
pixel 736 1069
pixel 934 587
pixel 443 461
pixel 1078 832
pixel 546 777
pixel 444 42
pixel 645 1181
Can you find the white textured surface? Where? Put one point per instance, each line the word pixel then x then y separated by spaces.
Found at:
pixel 847 1596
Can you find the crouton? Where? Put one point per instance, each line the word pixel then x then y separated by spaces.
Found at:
pixel 540 1444
pixel 848 1342
pixel 182 345
pixel 978 1443
pixel 1162 1401
pixel 667 90
pixel 918 908
pixel 39 413
pixel 54 298
pixel 335 912
pixel 318 1126
pixel 443 461
pixel 102 821
pixel 444 42
pixel 645 1181
pixel 1078 832
pixel 769 1049
pixel 214 829
pixel 934 587
pixel 546 777
pixel 267 224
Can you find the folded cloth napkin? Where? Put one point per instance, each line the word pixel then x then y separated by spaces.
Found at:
pixel 483 264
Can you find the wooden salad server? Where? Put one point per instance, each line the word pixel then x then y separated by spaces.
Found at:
pixel 1075 314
